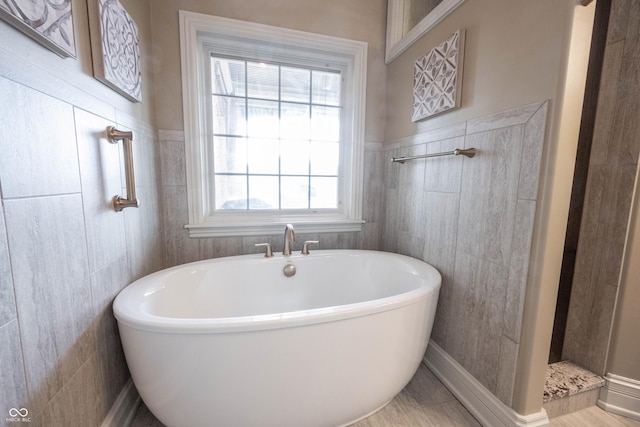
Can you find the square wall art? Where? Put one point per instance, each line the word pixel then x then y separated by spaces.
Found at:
pixel 114 48
pixel 48 22
pixel 437 78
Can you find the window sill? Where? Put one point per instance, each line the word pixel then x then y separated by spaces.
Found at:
pixel 228 229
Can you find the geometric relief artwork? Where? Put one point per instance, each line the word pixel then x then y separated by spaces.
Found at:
pixel 49 22
pixel 114 48
pixel 437 78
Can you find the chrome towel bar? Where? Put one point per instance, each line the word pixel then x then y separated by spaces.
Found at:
pixel 468 152
pixel 114 135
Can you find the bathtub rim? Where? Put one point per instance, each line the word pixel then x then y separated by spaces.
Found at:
pixel 131 315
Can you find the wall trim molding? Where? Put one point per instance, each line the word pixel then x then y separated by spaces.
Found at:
pixel 124 409
pixel 507 118
pixel 620 395
pixel 482 404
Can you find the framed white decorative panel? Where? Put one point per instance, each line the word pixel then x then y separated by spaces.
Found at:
pixel 437 84
pixel 48 22
pixel 114 48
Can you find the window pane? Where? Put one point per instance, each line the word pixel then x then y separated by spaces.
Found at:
pixel 294 121
pixel 324 193
pixel 262 80
pixel 263 156
pixel 325 158
pixel 263 192
pixel 231 192
pixel 295 192
pixel 229 116
pixel 227 77
pixel 263 119
pixel 276 129
pixel 325 123
pixel 296 84
pixel 230 155
pixel 326 88
pixel 294 157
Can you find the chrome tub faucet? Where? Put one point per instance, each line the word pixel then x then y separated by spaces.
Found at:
pixel 289 237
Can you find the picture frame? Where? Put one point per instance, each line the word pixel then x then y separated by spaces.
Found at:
pixel 115 48
pixel 400 36
pixel 437 85
pixel 50 23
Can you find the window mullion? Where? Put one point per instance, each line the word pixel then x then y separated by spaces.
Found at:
pixel 246 126
pixel 279 137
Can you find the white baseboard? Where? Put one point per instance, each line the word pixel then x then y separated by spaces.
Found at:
pixel 124 408
pixel 482 404
pixel 621 396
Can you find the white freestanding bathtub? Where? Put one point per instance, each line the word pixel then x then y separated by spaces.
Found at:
pixel 233 342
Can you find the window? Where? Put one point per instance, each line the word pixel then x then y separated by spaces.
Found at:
pixel 274 128
pixel 276 136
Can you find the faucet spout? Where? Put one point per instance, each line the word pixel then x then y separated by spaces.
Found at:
pixel 289 237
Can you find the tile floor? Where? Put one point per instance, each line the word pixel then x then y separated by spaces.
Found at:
pixel 427 402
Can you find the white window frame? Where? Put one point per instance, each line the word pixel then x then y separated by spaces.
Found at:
pixel 200 35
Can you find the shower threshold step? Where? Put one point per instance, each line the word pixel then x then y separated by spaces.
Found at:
pixel 569 388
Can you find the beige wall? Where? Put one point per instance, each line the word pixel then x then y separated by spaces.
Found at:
pixel 598 288
pixel 362 20
pixel 514 56
pixel 516 53
pixel 64 252
pixel 624 350
pixel 27 59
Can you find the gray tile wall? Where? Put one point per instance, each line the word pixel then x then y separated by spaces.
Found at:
pixel 179 248
pixel 473 220
pixel 65 254
pixel 612 172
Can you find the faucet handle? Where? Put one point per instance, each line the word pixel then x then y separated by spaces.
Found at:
pixel 269 252
pixel 305 246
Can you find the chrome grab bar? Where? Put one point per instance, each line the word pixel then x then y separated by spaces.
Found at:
pixel 468 152
pixel 114 136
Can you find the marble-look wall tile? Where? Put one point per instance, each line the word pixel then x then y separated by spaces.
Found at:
pixel 434 135
pixel 80 402
pixel 38 148
pixel 518 268
pixel 489 191
pixel 532 142
pixel 180 248
pixel 111 365
pixel 607 98
pixel 478 289
pixel 48 251
pixel 173 163
pixel 476 220
pixel 613 167
pixel 7 298
pixel 100 174
pixel 144 236
pixel 444 174
pixel 390 224
pixel 618 21
pixel 506 119
pixel 441 228
pixel 410 198
pixel 505 381
pixel 13 386
pixel 373 187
